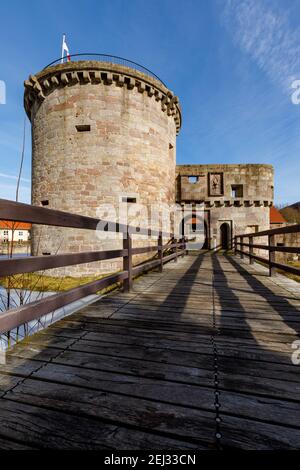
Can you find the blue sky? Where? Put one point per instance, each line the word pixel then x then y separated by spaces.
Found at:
pixel 231 62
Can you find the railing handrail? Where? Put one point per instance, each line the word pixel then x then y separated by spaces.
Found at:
pixel 114 59
pixel 294 228
pixel 270 247
pixel 39 215
pixel 282 249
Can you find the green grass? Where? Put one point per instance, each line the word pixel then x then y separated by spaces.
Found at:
pixel 42 283
pixel 295 264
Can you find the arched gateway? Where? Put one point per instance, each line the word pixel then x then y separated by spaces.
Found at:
pixel 225 238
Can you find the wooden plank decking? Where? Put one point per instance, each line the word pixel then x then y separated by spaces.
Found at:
pixel 208 338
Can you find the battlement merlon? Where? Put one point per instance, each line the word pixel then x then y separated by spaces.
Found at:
pixel 40 85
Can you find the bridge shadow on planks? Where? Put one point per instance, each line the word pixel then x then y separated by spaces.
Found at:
pixel 287 311
pixel 136 371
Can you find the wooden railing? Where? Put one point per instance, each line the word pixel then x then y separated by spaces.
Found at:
pixel 19 212
pixel 271 247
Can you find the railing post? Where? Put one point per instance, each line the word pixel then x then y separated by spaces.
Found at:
pixel 160 252
pixel 241 247
pixel 176 250
pixel 234 245
pixel 271 242
pixel 251 252
pixel 182 241
pixel 127 261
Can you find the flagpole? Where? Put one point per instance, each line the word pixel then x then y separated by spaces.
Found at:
pixel 62 48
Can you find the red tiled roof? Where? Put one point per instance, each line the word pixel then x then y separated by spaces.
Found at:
pixel 276 217
pixel 8 225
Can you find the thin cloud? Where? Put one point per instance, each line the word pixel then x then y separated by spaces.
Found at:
pixel 265 33
pixel 11 187
pixel 13 177
pixel 8 191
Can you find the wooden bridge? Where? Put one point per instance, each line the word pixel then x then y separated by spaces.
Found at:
pixel 196 357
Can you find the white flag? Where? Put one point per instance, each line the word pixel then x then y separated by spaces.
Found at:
pixel 64 50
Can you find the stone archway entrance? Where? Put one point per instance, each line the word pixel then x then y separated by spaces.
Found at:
pixel 225 236
pixel 195 228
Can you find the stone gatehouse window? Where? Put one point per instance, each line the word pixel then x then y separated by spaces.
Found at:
pixel 237 190
pixel 193 179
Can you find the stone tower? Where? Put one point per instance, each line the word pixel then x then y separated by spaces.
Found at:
pixel 101 133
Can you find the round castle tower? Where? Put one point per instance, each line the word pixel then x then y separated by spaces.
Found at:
pixel 101 133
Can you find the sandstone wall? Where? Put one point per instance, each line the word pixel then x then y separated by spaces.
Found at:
pixel 239 195
pixel 100 132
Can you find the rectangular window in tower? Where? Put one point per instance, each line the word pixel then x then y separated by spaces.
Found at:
pixel 236 190
pixel 45 202
pixel 83 128
pixel 131 200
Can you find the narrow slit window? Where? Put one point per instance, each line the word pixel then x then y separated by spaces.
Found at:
pixel 171 152
pixel 83 128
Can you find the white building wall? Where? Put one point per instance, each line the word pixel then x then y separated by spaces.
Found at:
pixel 18 235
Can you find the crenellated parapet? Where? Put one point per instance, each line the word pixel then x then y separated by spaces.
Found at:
pixel 39 86
pixel 219 203
pixel 236 203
